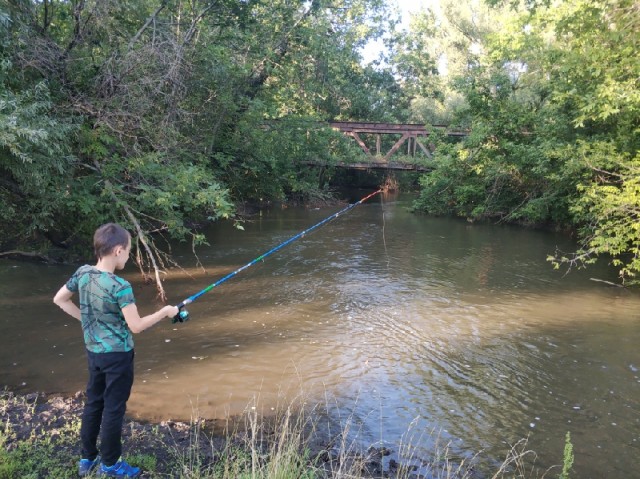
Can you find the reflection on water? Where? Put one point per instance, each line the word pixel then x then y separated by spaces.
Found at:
pixel 457 327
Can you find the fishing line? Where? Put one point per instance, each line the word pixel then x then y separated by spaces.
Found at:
pixel 183 314
pixel 384 239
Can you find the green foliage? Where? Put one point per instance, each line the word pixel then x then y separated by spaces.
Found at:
pixel 252 446
pixel 609 210
pixel 595 63
pixel 175 111
pixel 443 43
pixel 190 194
pixel 553 108
pixel 36 460
pixel 147 462
pixel 166 110
pixel 596 75
pixel 500 171
pixel 37 457
pixel 414 63
pixel 282 149
pixel 8 466
pixel 240 463
pixel 34 159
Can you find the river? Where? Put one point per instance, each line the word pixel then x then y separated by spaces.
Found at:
pixel 409 328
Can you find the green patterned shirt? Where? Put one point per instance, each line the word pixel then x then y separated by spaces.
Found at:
pixel 102 297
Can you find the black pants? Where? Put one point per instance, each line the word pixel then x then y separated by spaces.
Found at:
pixel 109 387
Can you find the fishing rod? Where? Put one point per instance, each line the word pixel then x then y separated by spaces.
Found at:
pixel 183 314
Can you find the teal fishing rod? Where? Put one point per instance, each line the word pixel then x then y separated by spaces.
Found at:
pixel 183 314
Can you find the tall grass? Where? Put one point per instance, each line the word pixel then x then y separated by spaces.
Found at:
pixel 256 447
pixel 293 442
pixel 284 445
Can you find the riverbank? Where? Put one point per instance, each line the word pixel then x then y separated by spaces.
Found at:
pixel 39 438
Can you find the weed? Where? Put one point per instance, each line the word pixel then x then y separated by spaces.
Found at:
pixel 146 461
pixel 567 462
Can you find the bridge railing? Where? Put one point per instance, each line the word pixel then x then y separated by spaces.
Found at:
pixel 394 128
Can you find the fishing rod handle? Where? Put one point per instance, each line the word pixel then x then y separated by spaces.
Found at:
pixel 183 314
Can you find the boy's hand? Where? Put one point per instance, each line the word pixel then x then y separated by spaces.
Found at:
pixel 170 311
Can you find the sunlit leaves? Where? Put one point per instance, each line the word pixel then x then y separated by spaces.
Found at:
pixel 609 211
pixel 555 139
pixel 595 61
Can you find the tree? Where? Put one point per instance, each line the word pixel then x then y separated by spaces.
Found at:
pixel 444 41
pixel 34 150
pixel 597 75
pixel 553 111
pixel 159 113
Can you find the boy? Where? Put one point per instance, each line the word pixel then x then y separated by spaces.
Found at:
pixel 109 316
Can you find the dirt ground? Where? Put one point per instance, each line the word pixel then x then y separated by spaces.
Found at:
pixel 39 415
pixel 169 442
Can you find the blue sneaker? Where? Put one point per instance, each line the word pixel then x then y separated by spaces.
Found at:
pixel 119 469
pixel 87 466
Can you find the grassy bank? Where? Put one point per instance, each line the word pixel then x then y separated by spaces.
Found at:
pixel 39 438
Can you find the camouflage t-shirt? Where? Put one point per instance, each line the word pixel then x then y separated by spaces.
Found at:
pixel 102 297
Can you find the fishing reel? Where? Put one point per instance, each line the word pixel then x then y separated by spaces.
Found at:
pixel 181 317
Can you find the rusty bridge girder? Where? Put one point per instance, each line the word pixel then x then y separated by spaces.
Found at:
pixel 411 133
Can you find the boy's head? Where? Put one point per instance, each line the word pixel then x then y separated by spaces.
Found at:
pixel 108 237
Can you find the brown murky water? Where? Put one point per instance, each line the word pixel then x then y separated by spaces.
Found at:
pixel 403 322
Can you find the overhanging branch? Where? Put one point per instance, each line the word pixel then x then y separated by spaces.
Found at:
pixel 141 236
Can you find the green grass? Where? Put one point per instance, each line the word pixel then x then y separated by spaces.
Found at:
pixel 38 457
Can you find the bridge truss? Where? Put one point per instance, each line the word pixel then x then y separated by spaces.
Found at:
pixel 415 137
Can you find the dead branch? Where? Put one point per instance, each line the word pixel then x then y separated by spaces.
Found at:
pixel 607 282
pixel 149 21
pixel 161 294
pixel 173 76
pixel 26 254
pixel 141 236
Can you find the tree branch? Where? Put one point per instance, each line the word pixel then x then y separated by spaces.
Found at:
pixel 27 254
pixel 259 74
pixel 141 235
pixel 150 20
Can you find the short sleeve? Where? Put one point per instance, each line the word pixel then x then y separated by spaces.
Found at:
pixel 124 293
pixel 74 281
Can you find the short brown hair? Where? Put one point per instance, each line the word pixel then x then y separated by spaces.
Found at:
pixel 107 237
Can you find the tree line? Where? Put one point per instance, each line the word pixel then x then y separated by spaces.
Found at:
pixel 166 114
pixel 550 92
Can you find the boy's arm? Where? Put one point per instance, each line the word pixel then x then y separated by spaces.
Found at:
pixel 138 324
pixel 63 299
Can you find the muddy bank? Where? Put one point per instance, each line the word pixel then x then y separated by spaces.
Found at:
pixel 38 415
